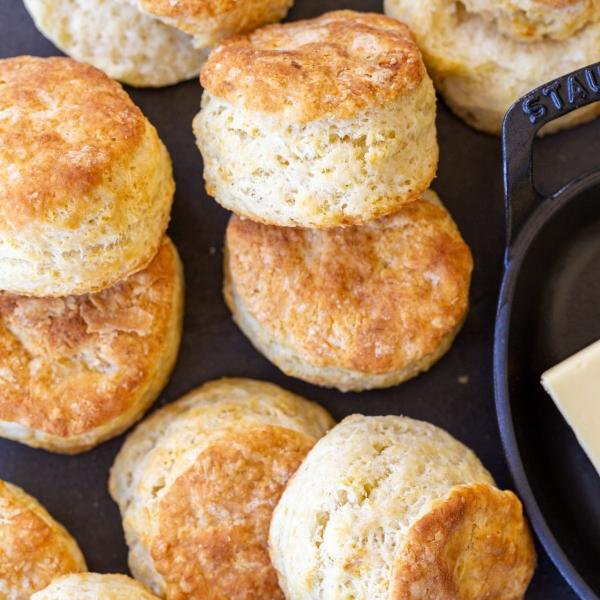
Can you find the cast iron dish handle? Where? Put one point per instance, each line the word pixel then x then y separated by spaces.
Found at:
pixel 521 124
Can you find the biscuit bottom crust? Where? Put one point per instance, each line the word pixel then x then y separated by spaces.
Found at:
pixel 473 544
pixel 77 370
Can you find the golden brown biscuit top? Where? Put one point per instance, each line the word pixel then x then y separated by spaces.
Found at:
pixel 473 544
pixel 373 298
pixel 33 549
pixel 69 365
pixel 62 125
pixel 214 520
pixel 334 65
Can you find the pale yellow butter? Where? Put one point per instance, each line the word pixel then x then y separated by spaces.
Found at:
pixel 574 385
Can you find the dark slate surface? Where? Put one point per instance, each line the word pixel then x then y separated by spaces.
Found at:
pixel 470 184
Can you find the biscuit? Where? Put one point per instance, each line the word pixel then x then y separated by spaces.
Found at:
pixel 92 586
pixel 116 37
pixel 76 371
pixel 85 183
pixel 356 308
pixel 34 548
pixel 483 55
pixel 196 484
pixel 318 123
pixel 532 20
pixel 209 21
pixel 392 508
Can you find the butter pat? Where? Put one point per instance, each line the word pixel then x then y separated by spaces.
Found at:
pixel 574 385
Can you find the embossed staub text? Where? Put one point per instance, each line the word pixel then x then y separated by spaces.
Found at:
pixel 570 91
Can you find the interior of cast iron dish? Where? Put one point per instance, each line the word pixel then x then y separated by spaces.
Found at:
pixel 556 312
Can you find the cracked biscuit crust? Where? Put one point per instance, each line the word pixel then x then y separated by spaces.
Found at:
pixel 77 370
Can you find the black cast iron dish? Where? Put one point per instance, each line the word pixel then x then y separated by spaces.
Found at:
pixel 549 308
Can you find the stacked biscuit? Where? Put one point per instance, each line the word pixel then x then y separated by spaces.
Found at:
pixel 340 265
pixel 483 55
pixel 148 42
pixel 91 289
